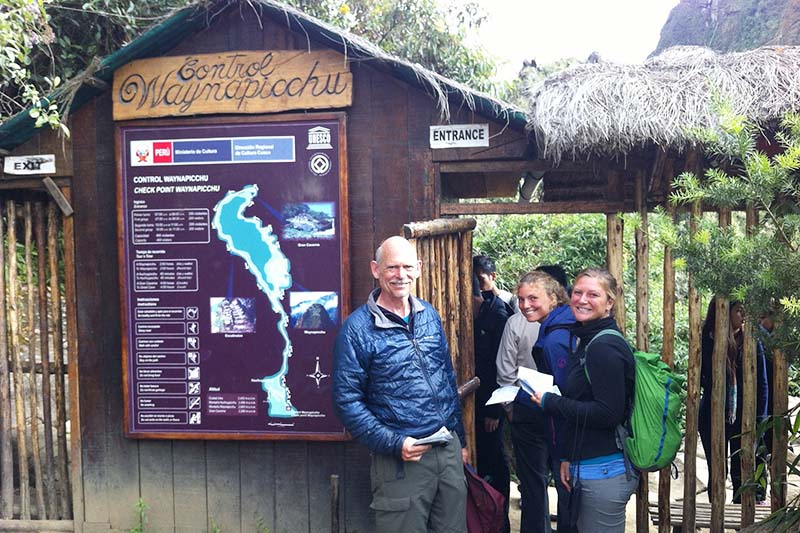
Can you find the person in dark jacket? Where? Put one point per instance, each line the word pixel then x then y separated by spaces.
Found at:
pixel 542 299
pixel 598 391
pixel 489 321
pixel 393 383
pixel 733 389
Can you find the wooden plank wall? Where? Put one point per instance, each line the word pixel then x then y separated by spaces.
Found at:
pixel 191 486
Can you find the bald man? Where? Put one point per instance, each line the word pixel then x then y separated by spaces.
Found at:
pixel 393 383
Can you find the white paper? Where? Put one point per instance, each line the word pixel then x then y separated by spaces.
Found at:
pixel 443 435
pixel 503 395
pixel 533 380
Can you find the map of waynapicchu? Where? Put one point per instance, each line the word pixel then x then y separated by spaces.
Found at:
pixel 258 246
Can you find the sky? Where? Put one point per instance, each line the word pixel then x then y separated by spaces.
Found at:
pixel 622 31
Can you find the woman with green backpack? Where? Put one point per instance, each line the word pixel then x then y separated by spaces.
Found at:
pixel 594 402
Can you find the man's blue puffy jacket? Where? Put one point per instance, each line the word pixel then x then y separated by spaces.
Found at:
pixel 390 383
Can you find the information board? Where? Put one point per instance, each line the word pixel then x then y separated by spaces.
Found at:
pixel 231 243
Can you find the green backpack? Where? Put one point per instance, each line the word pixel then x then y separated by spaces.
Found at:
pixel 654 433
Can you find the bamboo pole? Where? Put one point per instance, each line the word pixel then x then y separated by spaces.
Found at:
pixel 36 451
pixel 58 361
pixel 668 356
pixel 780 443
pixel 451 318
pixel 6 449
pixel 748 422
pixel 44 350
pixel 438 246
pixel 74 485
pixel 466 340
pixel 614 231
pixel 642 327
pixel 19 401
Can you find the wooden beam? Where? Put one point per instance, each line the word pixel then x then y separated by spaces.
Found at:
pixel 8 183
pixel 439 226
pixel 534 208
pixel 58 196
pixel 37 525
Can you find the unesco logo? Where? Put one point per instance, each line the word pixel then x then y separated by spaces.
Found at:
pixel 319 164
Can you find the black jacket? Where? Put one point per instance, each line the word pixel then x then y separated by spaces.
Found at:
pixel 489 325
pixel 593 410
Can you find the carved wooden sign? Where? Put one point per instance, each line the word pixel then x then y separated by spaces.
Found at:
pixel 232 82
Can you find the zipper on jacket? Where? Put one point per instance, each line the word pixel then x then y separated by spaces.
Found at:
pixel 424 369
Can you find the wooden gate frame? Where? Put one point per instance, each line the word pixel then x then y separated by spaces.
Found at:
pixel 60 191
pixel 444 246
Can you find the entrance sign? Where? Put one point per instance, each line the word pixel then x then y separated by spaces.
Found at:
pixel 232 234
pixel 233 82
pixel 460 136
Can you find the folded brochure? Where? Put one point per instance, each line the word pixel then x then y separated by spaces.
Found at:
pixel 442 436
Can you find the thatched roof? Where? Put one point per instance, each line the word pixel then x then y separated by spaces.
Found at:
pixel 199 14
pixel 605 108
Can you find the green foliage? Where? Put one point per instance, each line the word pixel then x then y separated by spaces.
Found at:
pixel 519 243
pixel 24 28
pixel 421 31
pixel 758 267
pixel 141 517
pixel 42 37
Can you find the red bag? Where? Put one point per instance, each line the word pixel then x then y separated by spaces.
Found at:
pixel 485 506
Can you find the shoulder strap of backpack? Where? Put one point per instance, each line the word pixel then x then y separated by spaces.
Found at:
pixel 609 331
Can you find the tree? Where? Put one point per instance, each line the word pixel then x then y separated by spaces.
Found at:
pixel 420 31
pixel 23 29
pixel 46 41
pixel 757 267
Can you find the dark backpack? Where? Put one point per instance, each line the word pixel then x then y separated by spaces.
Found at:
pixel 486 507
pixel 653 422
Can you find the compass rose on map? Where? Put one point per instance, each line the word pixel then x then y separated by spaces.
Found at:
pixel 317 375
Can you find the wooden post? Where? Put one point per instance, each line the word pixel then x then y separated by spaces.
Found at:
pixel 58 362
pixel 692 374
pixel 719 356
pixel 6 458
pixel 642 268
pixel 41 511
pixel 718 459
pixel 74 498
pixel 748 422
pixel 334 503
pixel 668 356
pixel 19 402
pixel 614 262
pixel 467 348
pixel 44 349
pixel 642 327
pixel 779 431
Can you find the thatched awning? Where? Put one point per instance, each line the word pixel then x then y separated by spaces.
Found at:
pixel 605 108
